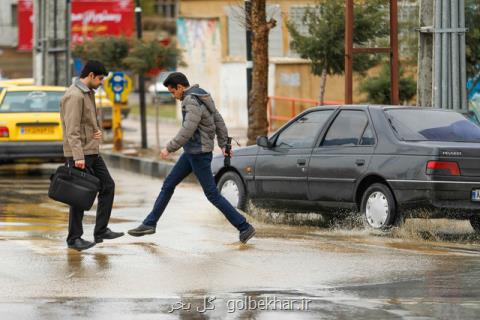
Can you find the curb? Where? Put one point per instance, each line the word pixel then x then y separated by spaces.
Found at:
pixel 149 167
pixel 28 169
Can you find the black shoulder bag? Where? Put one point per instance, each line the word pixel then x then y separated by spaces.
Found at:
pixel 74 187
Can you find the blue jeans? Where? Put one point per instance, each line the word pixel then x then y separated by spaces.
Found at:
pixel 200 164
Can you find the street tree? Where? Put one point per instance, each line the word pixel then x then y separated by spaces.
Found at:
pixel 472 39
pixel 137 56
pixel 110 50
pixel 378 87
pixel 323 42
pixel 150 55
pixel 258 96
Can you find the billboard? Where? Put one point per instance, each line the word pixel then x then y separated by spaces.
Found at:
pixel 89 18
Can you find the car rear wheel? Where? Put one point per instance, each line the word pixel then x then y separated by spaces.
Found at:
pixel 475 222
pixel 231 187
pixel 378 206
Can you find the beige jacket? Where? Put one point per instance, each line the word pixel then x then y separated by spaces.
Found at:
pixel 79 121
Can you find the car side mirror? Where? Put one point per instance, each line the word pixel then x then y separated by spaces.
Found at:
pixel 263 142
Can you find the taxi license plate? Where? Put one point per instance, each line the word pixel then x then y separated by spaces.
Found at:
pixel 476 195
pixel 37 130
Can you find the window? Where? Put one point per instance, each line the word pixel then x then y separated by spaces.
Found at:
pixel 368 139
pixel 295 15
pixel 347 129
pixel 31 101
pixel 303 132
pixel 432 125
pixel 166 8
pixel 13 19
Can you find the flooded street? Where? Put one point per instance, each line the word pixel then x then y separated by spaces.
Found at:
pixel 195 268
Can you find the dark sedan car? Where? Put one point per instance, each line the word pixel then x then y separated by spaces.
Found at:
pixel 383 161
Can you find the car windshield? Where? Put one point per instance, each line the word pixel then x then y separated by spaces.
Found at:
pixel 31 101
pixel 432 125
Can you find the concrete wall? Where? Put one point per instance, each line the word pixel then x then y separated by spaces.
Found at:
pixel 233 94
pixel 200 41
pixel 8 33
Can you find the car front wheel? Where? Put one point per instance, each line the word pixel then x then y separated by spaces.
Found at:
pixel 378 206
pixel 231 187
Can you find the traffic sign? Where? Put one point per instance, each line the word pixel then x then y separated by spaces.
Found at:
pixel 117 86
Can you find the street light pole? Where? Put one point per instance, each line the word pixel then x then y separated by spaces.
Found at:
pixel 141 79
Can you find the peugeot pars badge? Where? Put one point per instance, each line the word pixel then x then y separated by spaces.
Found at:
pixel 452 153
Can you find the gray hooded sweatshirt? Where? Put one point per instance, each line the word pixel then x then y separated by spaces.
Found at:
pixel 201 121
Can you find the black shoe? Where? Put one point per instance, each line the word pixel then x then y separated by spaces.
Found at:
pixel 141 230
pixel 109 234
pixel 79 244
pixel 247 234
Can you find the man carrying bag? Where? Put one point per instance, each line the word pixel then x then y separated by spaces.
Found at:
pixel 81 140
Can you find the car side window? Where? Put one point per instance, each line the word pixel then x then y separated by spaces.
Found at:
pixel 303 132
pixel 368 139
pixel 347 129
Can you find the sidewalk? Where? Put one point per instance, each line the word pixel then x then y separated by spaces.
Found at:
pixel 168 128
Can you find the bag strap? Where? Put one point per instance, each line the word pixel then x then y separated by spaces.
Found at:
pixel 200 102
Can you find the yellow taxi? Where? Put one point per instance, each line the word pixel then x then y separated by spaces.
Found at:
pixel 19 82
pixel 30 125
pixel 5 84
pixel 104 105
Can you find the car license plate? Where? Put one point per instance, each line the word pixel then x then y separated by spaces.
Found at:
pixel 37 130
pixel 476 195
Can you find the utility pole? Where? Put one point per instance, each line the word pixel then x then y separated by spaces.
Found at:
pixel 425 56
pixel 248 15
pixel 445 86
pixel 141 79
pixel 51 52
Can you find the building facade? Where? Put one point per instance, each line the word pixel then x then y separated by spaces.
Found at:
pixel 212 35
pixel 13 63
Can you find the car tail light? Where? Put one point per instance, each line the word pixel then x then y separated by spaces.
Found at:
pixel 443 167
pixel 4 132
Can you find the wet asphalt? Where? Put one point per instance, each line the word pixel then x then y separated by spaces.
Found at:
pixel 193 267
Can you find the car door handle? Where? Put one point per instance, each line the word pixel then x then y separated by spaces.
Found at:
pixel 301 162
pixel 360 162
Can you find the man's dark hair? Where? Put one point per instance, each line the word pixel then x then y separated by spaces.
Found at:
pixel 176 78
pixel 94 66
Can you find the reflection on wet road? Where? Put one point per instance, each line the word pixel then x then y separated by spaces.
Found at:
pixel 195 261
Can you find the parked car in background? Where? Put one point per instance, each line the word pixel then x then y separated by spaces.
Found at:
pixel 104 109
pixel 159 92
pixel 382 161
pixel 30 125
